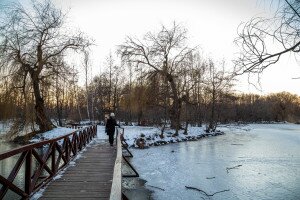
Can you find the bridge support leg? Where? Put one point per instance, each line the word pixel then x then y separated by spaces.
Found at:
pixel 134 170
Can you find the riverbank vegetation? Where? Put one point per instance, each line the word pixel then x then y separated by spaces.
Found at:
pixel 158 79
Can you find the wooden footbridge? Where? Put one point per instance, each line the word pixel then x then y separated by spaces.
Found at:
pixel 73 166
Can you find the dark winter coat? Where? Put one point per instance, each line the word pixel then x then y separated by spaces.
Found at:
pixel 110 126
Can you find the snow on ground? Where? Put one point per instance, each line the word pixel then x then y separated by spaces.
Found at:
pixel 38 194
pixel 101 133
pixel 54 133
pixel 150 136
pixel 5 126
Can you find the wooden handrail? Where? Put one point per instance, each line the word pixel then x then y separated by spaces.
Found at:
pixel 116 187
pixel 15 151
pixel 57 153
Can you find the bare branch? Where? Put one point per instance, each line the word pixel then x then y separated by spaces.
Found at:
pixel 256 37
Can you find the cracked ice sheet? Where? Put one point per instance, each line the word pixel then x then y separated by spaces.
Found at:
pixel 269 155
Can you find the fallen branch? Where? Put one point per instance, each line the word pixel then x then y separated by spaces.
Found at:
pixel 193 188
pixel 235 167
pixel 209 195
pixel 236 144
pixel 156 187
pixel 220 192
pixel 210 177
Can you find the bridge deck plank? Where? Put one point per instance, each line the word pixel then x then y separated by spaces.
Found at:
pixel 89 178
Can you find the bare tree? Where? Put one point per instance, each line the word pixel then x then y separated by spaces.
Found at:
pixel 263 41
pixel 93 89
pixel 218 81
pixel 161 53
pixel 86 65
pixel 130 92
pixel 118 79
pixel 110 64
pixel 59 104
pixel 30 39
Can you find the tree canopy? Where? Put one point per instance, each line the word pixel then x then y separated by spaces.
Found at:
pixel 33 41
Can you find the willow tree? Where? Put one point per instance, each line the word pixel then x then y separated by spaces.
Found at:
pixel 31 39
pixel 161 53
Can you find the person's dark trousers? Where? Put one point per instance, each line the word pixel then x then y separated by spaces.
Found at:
pixel 111 138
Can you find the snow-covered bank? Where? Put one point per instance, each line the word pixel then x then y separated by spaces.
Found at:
pixel 4 127
pixel 141 136
pixel 56 132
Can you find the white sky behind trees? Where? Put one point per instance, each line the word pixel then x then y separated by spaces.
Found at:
pixel 212 24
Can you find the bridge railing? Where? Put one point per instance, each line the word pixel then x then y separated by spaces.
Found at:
pixel 116 187
pixel 36 164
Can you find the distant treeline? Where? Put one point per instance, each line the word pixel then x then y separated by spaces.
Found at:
pixel 145 101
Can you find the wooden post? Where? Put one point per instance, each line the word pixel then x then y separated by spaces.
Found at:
pixel 53 167
pixel 67 152
pixel 75 142
pixel 116 187
pixel 28 166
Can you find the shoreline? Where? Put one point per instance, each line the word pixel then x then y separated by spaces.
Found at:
pixel 135 189
pixel 143 142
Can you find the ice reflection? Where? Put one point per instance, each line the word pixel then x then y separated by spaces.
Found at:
pixel 265 164
pixel 6 167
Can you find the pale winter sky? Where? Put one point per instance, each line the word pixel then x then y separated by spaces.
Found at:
pixel 212 24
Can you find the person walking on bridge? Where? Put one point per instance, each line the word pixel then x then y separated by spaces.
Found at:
pixel 110 128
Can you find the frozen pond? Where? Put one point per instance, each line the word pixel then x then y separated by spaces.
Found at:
pixel 265 162
pixel 6 146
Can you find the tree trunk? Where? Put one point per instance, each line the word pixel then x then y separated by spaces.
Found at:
pixel 186 127
pixel 59 114
pixel 186 119
pixel 58 107
pixel 87 97
pixel 213 107
pixel 140 117
pixel 130 89
pixel 115 99
pixel 41 118
pixel 58 111
pixel 175 115
pixel 176 106
pixel 93 102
